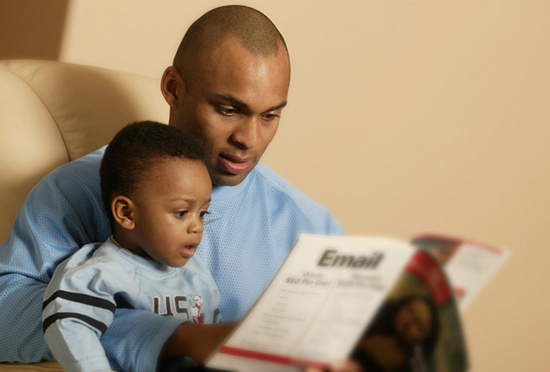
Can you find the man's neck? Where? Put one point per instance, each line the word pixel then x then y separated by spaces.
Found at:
pixel 222 192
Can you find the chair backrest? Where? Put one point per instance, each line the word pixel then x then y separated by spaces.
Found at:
pixel 54 112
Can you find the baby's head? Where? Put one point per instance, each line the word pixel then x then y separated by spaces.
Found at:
pixel 156 190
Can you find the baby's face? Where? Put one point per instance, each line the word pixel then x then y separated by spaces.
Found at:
pixel 170 205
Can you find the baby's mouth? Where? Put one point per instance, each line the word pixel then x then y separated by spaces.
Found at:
pixel 189 250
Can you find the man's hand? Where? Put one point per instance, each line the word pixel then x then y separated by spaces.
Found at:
pixel 345 365
pixel 196 341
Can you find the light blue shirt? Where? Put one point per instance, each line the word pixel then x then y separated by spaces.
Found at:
pixel 255 224
pixel 80 301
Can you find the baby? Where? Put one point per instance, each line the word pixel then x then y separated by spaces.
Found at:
pixel 156 191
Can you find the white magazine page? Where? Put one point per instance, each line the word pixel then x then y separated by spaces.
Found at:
pixel 318 304
pixel 468 264
pixel 470 269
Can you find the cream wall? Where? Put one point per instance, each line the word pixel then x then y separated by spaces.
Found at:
pixel 404 117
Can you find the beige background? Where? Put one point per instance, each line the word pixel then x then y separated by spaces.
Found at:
pixel 404 117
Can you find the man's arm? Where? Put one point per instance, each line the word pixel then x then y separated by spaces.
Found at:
pixel 54 221
pixel 346 365
pixel 196 341
pixel 199 341
pixel 21 337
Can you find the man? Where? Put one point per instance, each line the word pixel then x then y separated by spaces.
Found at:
pixel 228 86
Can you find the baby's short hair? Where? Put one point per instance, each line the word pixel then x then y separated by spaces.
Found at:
pixel 135 149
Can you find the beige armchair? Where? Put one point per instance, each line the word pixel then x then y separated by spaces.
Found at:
pixel 52 113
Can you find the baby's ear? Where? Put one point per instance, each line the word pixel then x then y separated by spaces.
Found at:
pixel 123 212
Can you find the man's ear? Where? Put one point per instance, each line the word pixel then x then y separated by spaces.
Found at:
pixel 172 87
pixel 123 212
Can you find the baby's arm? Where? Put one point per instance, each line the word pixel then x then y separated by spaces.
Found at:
pixel 77 310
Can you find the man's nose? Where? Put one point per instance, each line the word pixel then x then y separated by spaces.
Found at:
pixel 246 133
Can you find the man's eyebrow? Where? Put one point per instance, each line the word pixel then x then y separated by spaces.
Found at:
pixel 278 107
pixel 234 101
pixel 243 106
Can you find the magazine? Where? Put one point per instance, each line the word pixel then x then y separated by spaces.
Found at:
pixel 380 301
pixel 468 264
pixel 418 326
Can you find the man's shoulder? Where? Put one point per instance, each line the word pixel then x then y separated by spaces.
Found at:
pixel 281 192
pixel 88 164
pixel 76 181
pixel 270 180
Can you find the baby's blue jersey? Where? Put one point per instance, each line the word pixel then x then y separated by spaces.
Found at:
pixel 253 227
pixel 80 301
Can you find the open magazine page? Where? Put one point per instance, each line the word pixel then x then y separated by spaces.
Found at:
pixel 317 306
pixel 418 327
pixel 469 264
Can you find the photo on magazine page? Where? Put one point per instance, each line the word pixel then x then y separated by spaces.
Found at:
pixel 417 328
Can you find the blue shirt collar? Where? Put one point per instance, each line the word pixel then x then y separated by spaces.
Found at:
pixel 224 192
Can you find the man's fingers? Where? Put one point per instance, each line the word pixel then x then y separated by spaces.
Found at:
pixel 345 365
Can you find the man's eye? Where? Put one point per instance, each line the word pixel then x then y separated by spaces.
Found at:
pixel 227 110
pixel 270 116
pixel 180 214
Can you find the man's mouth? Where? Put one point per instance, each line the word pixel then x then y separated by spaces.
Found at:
pixel 235 165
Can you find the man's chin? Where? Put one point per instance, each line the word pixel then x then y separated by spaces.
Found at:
pixel 228 179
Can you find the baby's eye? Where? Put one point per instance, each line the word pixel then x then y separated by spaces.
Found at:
pixel 203 214
pixel 180 214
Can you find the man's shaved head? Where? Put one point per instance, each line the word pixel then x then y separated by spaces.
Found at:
pixel 228 86
pixel 254 31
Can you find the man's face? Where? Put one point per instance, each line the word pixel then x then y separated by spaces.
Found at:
pixel 234 104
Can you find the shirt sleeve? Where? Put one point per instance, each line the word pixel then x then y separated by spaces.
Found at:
pixel 78 308
pixel 333 226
